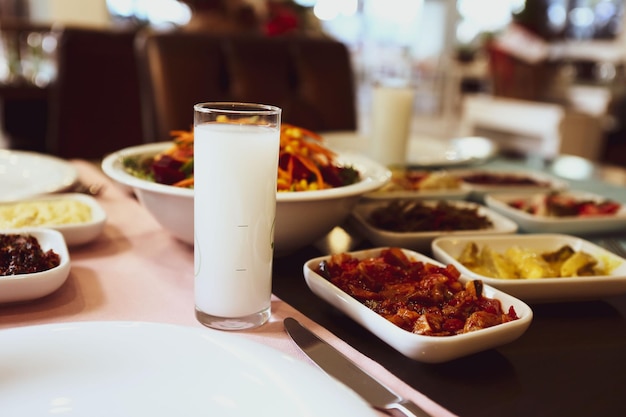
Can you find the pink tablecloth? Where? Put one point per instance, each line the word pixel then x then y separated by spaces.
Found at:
pixel 136 272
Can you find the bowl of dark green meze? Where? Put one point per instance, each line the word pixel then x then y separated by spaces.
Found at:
pixel 302 217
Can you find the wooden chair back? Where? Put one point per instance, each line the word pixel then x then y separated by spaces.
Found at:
pixel 310 79
pixel 95 106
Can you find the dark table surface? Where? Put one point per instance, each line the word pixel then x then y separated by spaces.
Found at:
pixel 570 362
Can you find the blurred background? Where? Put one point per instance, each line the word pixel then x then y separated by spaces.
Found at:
pixel 568 55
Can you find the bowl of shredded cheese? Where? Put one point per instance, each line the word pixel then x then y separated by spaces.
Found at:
pixel 78 217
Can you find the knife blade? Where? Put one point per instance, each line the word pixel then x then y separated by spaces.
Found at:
pixel 343 369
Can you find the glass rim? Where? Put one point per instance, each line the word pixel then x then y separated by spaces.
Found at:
pixel 236 107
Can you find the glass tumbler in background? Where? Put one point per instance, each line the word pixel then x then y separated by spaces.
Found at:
pixel 236 148
pixel 391 116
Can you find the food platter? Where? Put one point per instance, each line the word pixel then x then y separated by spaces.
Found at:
pixel 534 223
pixel 430 349
pixel 480 182
pixel 447 250
pixel 148 369
pixel 420 240
pixel 25 174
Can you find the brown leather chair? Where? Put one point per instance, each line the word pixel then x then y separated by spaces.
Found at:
pixel 95 106
pixel 310 79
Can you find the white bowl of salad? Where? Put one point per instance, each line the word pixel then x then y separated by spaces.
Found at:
pixel 307 208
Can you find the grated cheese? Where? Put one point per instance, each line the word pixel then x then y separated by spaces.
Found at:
pixel 44 213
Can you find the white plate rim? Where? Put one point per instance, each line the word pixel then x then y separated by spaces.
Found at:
pixel 68 340
pixel 67 172
pixel 358 141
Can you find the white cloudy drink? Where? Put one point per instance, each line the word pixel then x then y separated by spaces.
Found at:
pixel 235 168
pixel 391 114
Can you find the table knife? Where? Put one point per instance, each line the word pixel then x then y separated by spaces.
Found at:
pixel 343 369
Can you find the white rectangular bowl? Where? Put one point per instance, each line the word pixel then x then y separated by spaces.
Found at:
pixel 448 249
pixel 429 349
pixel 421 241
pixel 543 224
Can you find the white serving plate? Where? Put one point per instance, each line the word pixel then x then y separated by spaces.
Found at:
pixel 425 152
pixel 421 240
pixel 75 233
pixel 478 191
pixel 25 174
pixel 126 369
pixel 543 224
pixel 393 191
pixel 435 152
pixel 430 349
pixel 25 287
pixel 449 194
pixel 448 249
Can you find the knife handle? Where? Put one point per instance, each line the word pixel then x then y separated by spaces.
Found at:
pixel 406 408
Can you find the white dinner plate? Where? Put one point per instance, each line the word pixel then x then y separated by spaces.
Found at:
pixel 448 249
pixel 421 241
pixel 569 224
pixel 26 174
pixel 147 369
pixel 425 151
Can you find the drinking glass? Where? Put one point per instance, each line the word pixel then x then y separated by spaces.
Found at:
pixel 392 112
pixel 236 149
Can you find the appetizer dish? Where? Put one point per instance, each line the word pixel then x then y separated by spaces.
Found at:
pixel 481 182
pixel 33 263
pixel 304 164
pixel 302 216
pixel 408 183
pixel 537 267
pixel 557 204
pixel 571 211
pixel 78 217
pixel 414 224
pixel 525 263
pixel 426 310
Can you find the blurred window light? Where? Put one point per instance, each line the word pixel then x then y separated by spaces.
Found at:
pixel 480 16
pixel 332 9
pixel 581 16
pixel 305 3
pixel 153 12
pixel 557 15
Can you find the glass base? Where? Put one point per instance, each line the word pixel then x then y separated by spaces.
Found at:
pixel 234 323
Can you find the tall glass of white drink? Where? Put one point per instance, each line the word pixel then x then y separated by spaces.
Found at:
pixel 236 148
